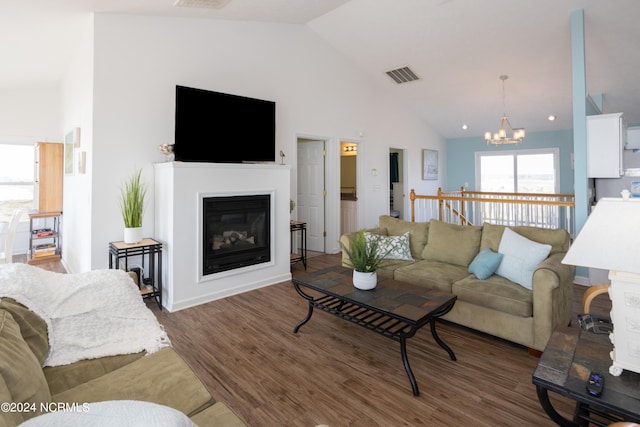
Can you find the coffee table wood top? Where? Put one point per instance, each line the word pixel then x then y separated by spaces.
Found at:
pixel 410 303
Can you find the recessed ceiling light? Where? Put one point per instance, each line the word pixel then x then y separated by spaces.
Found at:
pixel 551 117
pixel 465 127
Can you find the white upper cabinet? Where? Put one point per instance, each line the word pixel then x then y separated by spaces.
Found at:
pixel 606 136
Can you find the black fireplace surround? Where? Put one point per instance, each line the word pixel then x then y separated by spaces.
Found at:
pixel 236 232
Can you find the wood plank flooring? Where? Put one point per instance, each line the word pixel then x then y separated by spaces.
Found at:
pixel 335 373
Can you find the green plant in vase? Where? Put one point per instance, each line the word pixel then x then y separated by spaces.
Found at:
pixel 365 258
pixel 132 197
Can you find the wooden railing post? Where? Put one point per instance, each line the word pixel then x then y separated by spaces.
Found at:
pixel 440 204
pixel 412 196
pixel 462 212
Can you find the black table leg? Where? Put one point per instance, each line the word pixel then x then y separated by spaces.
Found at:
pixel 543 397
pixel 439 340
pixel 305 320
pixel 309 312
pixel 407 367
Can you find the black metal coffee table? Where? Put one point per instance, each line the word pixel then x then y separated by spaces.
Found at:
pixel 393 309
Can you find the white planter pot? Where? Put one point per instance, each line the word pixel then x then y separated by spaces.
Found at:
pixel 365 281
pixel 132 235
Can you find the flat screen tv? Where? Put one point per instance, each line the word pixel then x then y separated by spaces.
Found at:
pixel 218 127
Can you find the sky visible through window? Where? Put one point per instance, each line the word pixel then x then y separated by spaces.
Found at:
pixel 16 179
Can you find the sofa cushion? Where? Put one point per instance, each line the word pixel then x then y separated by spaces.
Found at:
pixel 496 293
pixel 520 258
pixel 32 327
pixel 418 232
pixel 392 247
pixel 19 367
pixel 155 378
pixel 452 243
pixel 559 239
pixel 485 263
pixel 431 274
pixel 64 377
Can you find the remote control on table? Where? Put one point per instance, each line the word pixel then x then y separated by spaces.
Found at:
pixel 595 384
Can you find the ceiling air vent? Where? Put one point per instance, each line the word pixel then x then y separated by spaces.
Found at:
pixel 205 4
pixel 402 75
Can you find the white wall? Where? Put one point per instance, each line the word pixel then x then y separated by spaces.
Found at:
pixel 77 111
pixel 138 61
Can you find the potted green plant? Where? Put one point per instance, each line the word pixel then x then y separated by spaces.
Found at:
pixel 365 258
pixel 132 197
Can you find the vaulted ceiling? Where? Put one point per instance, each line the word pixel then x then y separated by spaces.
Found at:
pixel 457 48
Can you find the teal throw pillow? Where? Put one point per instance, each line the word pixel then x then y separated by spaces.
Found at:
pixel 395 247
pixel 485 264
pixel 521 257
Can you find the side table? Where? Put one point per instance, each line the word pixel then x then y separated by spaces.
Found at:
pixel 294 227
pixel 150 278
pixel 564 367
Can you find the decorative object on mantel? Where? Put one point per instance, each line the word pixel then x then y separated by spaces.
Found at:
pixel 132 207
pixel 364 258
pixel 282 155
pixel 610 240
pixel 499 138
pixel 167 150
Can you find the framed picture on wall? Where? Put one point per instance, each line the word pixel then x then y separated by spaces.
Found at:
pixel 429 164
pixel 68 157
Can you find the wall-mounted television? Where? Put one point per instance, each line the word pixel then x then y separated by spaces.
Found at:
pixel 219 127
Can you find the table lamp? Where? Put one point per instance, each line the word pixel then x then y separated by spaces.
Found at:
pixel 610 240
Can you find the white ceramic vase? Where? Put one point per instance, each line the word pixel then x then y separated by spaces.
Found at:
pixel 365 281
pixel 132 235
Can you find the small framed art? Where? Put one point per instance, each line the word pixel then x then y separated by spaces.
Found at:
pixel 69 159
pixel 429 164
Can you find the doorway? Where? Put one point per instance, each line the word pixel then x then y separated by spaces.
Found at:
pixel 311 191
pixel 396 182
pixel 348 187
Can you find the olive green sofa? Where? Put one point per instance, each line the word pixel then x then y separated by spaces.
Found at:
pixel 442 254
pixel 29 392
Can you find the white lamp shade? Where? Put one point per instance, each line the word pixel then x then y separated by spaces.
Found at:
pixel 610 239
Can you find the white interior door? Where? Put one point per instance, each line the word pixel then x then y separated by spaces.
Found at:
pixel 311 192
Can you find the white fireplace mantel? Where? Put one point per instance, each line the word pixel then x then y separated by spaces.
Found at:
pixel 178 190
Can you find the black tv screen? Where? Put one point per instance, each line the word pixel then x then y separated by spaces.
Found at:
pixel 222 128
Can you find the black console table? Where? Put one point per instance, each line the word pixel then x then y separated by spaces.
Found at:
pixel 301 227
pixel 150 284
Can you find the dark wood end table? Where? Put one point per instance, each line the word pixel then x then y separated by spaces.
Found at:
pixel 393 309
pixel 570 356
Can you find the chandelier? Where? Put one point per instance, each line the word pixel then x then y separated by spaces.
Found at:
pixel 501 137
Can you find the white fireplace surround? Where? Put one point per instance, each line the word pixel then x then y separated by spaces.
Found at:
pixel 179 188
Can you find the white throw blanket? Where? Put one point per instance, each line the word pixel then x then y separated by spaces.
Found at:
pixel 88 315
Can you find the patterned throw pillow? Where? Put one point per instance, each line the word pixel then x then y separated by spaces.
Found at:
pixel 395 247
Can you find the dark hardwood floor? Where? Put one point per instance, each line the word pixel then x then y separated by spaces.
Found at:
pixel 335 373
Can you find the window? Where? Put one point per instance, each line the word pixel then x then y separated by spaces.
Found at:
pixel 16 179
pixel 522 171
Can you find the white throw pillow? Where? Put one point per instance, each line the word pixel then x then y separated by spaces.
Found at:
pixel 395 247
pixel 520 257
